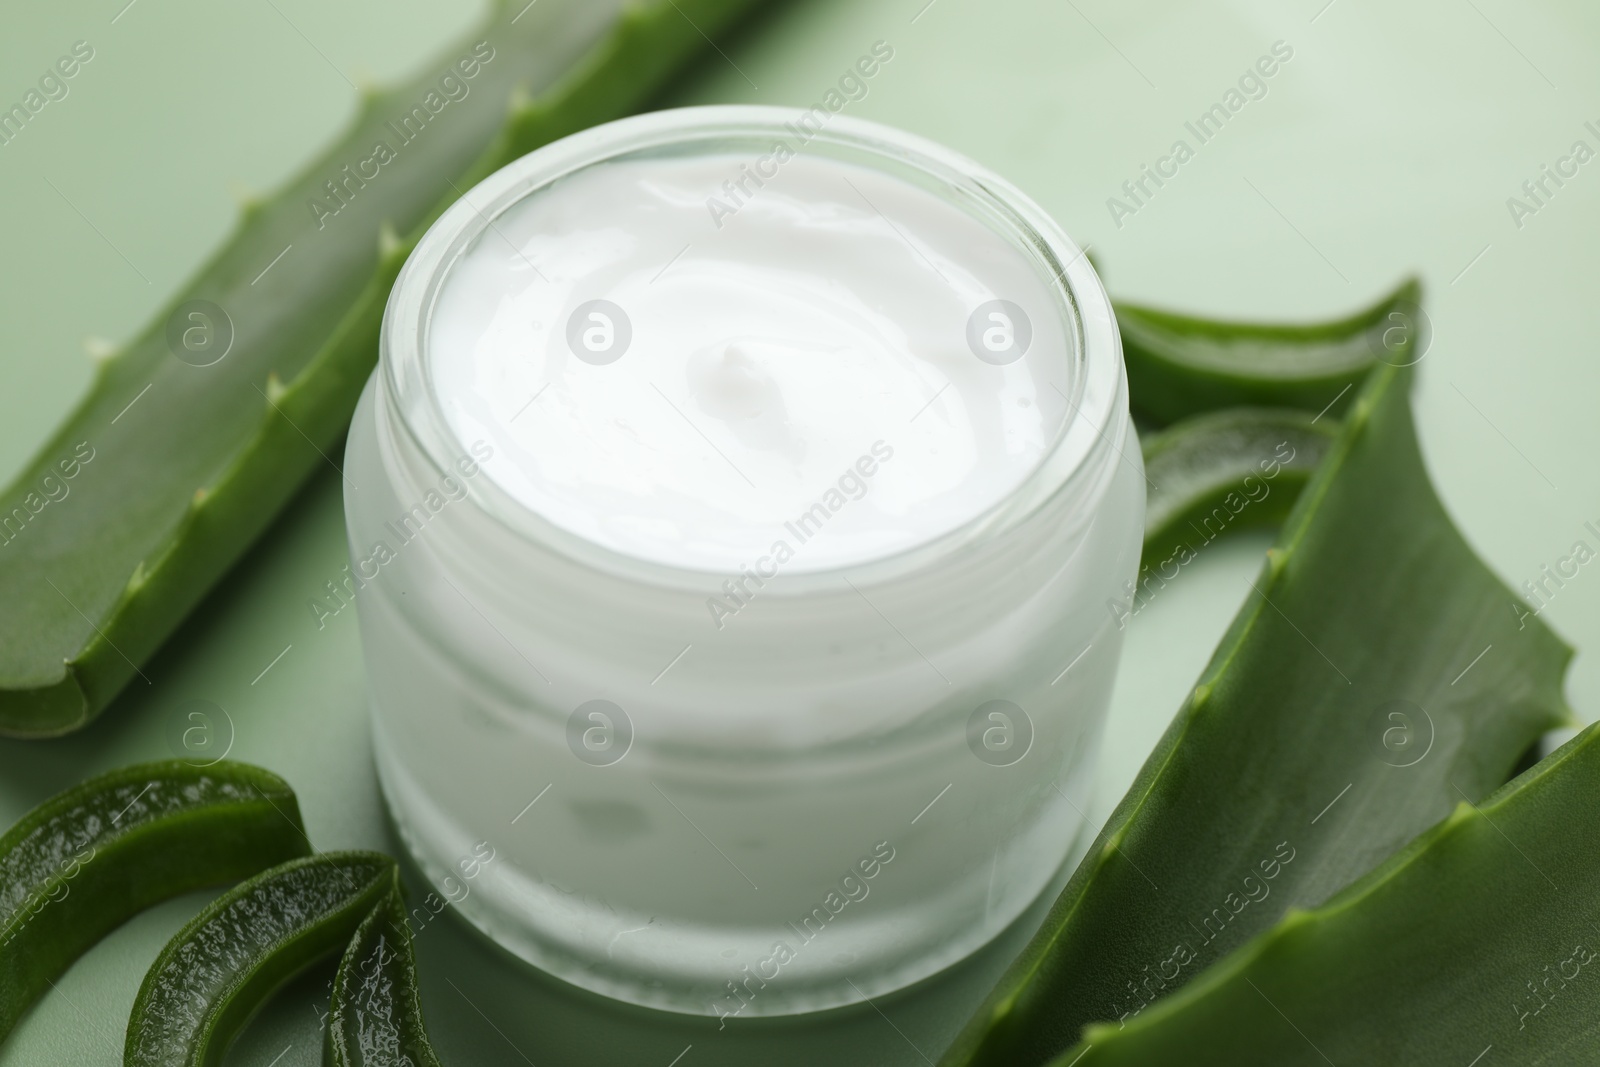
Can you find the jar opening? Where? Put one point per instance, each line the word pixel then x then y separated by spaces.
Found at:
pixel 689 336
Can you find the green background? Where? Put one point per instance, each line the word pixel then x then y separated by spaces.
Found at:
pixel 1388 144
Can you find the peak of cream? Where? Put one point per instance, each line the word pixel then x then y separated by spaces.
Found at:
pixel 713 397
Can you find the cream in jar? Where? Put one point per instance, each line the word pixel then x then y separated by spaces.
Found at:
pixel 767 653
pixel 687 393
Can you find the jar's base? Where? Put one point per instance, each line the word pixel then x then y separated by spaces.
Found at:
pixel 693 969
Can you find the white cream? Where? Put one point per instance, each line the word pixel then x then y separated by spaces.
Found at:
pixel 769 361
pixel 766 654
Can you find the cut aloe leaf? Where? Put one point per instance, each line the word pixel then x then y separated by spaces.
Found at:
pixel 196 433
pixel 1377 674
pixel 1476 944
pixel 1224 471
pixel 80 864
pixel 227 961
pixel 375 1019
pixel 1179 365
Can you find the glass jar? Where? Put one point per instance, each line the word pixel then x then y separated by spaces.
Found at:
pixel 853 787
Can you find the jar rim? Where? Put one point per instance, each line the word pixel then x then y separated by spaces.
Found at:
pixel 1095 389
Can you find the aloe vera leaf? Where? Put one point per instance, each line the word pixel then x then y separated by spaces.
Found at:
pixel 375 1018
pixel 1377 674
pixel 80 864
pixel 223 965
pixel 1480 935
pixel 1180 365
pixel 166 494
pixel 1224 471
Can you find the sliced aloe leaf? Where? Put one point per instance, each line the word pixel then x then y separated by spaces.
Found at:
pixel 168 469
pixel 1179 365
pixel 80 864
pixel 1224 471
pixel 1476 944
pixel 375 1019
pixel 1377 674
pixel 227 961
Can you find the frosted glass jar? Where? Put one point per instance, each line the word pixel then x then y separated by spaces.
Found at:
pixel 860 774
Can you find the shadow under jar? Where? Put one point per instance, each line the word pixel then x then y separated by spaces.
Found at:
pixel 733 518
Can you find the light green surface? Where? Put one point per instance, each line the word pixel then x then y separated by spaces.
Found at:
pixel 1389 143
